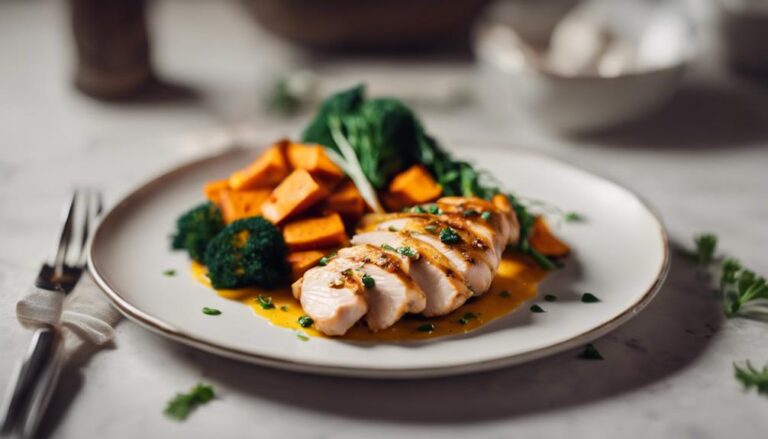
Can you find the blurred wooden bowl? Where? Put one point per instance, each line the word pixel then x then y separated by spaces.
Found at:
pixel 369 24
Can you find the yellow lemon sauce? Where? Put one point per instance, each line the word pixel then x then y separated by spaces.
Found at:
pixel 516 282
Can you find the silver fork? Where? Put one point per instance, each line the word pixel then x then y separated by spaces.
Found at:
pixel 37 372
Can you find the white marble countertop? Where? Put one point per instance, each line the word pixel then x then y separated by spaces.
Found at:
pixel 668 373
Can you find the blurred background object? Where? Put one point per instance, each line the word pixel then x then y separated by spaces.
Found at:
pixel 112 43
pixel 744 27
pixel 606 62
pixel 369 24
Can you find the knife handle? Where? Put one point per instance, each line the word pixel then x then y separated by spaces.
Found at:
pixel 25 375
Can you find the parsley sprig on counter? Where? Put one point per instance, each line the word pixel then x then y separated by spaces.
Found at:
pixel 183 404
pixel 752 377
pixel 743 292
pixel 382 137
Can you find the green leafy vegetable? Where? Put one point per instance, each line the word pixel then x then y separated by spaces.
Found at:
pixel 752 377
pixel 434 209
pixel 196 228
pixel 590 353
pixel 743 292
pixel 368 281
pixel 325 259
pixel 572 217
pixel 248 252
pixel 305 321
pixel 265 302
pixel 169 273
pixel 211 311
pixel 183 404
pixel 386 137
pixel 589 298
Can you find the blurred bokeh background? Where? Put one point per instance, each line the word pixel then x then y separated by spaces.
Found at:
pixel 649 73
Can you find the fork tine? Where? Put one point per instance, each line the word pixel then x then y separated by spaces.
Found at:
pixel 66 236
pixel 93 207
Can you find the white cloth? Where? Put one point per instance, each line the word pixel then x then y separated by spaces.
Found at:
pixel 85 316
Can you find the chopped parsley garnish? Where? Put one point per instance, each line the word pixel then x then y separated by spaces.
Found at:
pixel 573 217
pixel 325 259
pixel 505 294
pixel 283 308
pixel 706 244
pixel 211 311
pixel 417 209
pixel 265 302
pixel 536 308
pixel 305 321
pixel 302 337
pixel 590 353
pixel 408 252
pixel 426 327
pixel 169 273
pixel 550 298
pixel 388 247
pixel 467 317
pixel 485 215
pixel 751 377
pixel 449 236
pixel 741 288
pixel 183 404
pixel 368 281
pixel 431 228
pixel 434 210
pixel 589 298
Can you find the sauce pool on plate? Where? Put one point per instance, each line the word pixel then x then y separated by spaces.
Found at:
pixel 516 282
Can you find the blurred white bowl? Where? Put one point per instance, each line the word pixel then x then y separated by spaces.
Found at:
pixel 607 64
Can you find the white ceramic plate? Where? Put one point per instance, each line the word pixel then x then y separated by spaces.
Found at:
pixel 620 254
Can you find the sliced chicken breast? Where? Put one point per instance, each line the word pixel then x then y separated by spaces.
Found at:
pixel 390 291
pixel 332 297
pixel 502 219
pixel 442 284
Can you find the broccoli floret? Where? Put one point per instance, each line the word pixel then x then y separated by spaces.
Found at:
pixel 248 252
pixel 195 229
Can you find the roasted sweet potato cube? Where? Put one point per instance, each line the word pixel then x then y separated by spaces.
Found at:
pixel 346 201
pixel 269 169
pixel 213 190
pixel 414 186
pixel 501 202
pixel 297 193
pixel 301 261
pixel 315 233
pixel 545 242
pixel 236 205
pixel 313 159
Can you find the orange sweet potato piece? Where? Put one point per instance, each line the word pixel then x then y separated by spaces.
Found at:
pixel 298 192
pixel 213 190
pixel 545 242
pixel 314 233
pixel 242 204
pixel 301 261
pixel 313 159
pixel 414 186
pixel 346 201
pixel 501 202
pixel 269 169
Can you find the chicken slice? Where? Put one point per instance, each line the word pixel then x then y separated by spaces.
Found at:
pixel 442 284
pixel 392 291
pixel 332 297
pixel 503 220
